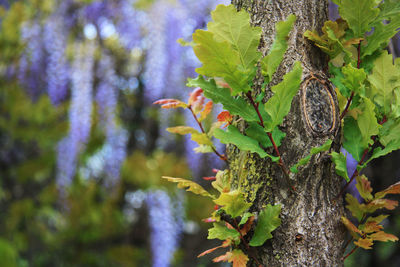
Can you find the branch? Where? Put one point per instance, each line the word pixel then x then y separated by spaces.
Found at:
pixel 221 156
pixel 285 170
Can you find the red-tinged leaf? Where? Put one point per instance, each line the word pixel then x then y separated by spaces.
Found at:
pixel 238 258
pixel 384 237
pixel 229 226
pixel 364 187
pixel 209 220
pixel 215 170
pixel 351 227
pixel 370 227
pixel 209 178
pixel 194 95
pixel 364 243
pixel 247 226
pixel 226 257
pixel 381 203
pixel 393 189
pixel 171 103
pixel 182 130
pixel 207 109
pixel 225 244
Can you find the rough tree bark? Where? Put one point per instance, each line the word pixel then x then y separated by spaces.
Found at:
pixel 311 233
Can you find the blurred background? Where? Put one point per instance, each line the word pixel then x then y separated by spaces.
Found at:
pixel 82 148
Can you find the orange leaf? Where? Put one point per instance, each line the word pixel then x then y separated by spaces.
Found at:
pixel 194 95
pixel 207 109
pixel 382 236
pixel 247 226
pixel 226 257
pixel 364 243
pixel 350 226
pixel 393 189
pixel 224 116
pixel 371 227
pixel 381 203
pixel 238 258
pixel 225 244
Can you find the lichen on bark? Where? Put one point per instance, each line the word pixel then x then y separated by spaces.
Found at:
pixel 307 212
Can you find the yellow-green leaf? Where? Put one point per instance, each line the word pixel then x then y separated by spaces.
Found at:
pixel 220 60
pixel 182 130
pixel 234 27
pixel 233 203
pixel 189 186
pixel 271 62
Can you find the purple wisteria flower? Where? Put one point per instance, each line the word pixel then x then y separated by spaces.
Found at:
pixel 116 136
pixel 32 61
pixel 351 165
pixel 80 113
pixel 165 228
pixel 57 66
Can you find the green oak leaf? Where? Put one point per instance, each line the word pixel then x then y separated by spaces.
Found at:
pixel 384 79
pixel 222 232
pixel 313 151
pixel 271 62
pixel 268 221
pixel 359 14
pixel 236 106
pixel 233 136
pixel 354 78
pixel 389 9
pixel 189 186
pixel 353 139
pixel 220 60
pixel 381 35
pixel 257 132
pixel 234 27
pixel 337 79
pixel 340 165
pixel 278 106
pixel 367 123
pixel 233 203
pixel 245 217
pixel 389 148
pixel 389 131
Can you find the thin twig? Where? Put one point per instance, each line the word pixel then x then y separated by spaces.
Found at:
pixel 351 252
pixel 352 93
pixel 285 170
pixel 221 156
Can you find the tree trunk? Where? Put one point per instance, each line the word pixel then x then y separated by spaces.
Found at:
pixel 311 233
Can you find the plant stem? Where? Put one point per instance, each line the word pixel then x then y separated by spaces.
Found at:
pixel 245 243
pixel 221 156
pixel 285 170
pixel 352 93
pixel 351 252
